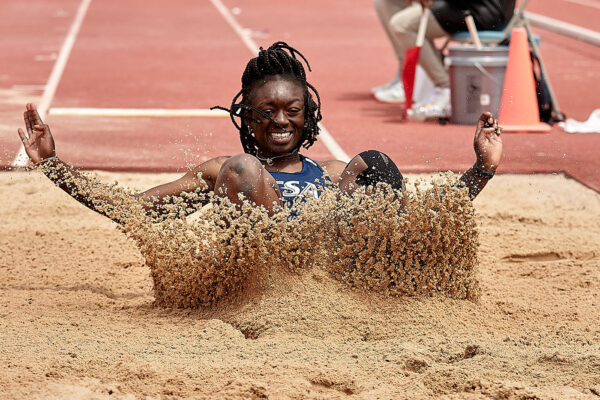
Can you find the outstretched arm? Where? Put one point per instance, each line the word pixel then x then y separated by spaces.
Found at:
pixel 39 146
pixel 488 149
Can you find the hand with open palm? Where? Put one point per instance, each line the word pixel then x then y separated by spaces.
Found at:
pixel 487 142
pixel 38 142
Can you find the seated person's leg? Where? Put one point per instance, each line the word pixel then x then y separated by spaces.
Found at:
pixel 244 174
pixel 437 103
pixel 367 169
pixel 393 90
pixel 404 27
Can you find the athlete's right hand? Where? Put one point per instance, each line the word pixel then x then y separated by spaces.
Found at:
pixel 38 142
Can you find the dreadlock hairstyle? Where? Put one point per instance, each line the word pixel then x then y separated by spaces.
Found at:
pixel 274 61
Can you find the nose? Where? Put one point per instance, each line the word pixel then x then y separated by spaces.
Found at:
pixel 281 118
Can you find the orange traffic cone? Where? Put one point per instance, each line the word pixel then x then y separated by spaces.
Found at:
pixel 519 107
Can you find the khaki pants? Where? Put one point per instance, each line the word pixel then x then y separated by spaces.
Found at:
pixel 401 23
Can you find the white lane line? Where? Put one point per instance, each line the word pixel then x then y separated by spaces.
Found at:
pixel 334 148
pixel 250 44
pixel 28 88
pixel 332 145
pixel 587 3
pixel 59 66
pixel 138 112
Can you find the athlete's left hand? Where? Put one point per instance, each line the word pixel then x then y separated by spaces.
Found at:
pixel 487 142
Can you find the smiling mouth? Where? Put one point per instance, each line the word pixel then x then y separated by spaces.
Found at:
pixel 281 135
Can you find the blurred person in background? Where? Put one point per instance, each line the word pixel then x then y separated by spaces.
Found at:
pixel 400 20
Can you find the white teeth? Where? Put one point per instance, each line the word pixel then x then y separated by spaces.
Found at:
pixel 281 135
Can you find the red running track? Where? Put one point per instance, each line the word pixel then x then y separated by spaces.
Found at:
pixel 184 54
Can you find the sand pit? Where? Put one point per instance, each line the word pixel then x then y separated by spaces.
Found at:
pixel 78 317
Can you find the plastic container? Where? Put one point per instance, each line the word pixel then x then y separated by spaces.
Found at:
pixel 476 80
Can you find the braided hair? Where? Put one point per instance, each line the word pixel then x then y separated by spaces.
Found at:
pixel 274 61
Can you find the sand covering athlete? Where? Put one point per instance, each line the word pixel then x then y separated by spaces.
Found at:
pixel 277 115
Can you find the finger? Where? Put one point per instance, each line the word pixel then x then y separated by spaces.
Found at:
pixel 32 115
pixel 489 133
pixel 35 116
pixel 483 118
pixel 38 131
pixel 28 122
pixel 31 107
pixel 42 130
pixel 22 136
pixel 487 130
pixel 490 125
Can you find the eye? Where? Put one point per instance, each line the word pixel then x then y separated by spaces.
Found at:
pixel 294 111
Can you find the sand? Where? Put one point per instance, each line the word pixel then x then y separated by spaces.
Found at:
pixel 79 319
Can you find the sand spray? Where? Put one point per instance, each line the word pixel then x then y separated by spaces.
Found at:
pixel 421 242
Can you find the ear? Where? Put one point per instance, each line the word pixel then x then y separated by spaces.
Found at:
pixel 245 116
pixel 247 119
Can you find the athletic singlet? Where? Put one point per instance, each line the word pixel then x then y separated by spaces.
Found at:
pixel 310 181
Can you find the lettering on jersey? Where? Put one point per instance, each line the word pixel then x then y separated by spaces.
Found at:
pixel 290 188
pixel 295 189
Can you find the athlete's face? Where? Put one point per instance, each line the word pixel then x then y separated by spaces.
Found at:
pixel 283 100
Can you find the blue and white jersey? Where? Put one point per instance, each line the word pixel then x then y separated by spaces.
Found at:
pixel 308 182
